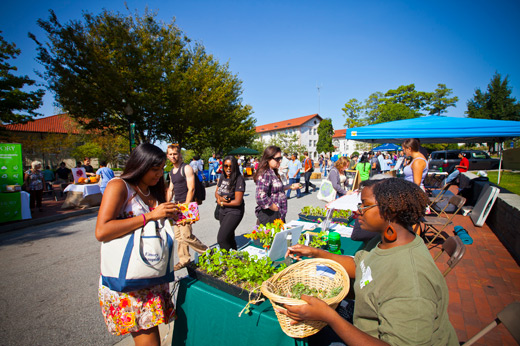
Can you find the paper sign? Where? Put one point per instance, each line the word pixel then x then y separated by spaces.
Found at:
pixel 279 246
pixel 79 173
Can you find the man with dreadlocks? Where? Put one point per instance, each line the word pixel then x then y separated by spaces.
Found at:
pixel 401 296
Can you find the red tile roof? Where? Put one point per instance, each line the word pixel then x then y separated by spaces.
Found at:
pixel 286 124
pixel 59 123
pixel 340 133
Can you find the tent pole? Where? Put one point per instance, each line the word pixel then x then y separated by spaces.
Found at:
pixel 500 162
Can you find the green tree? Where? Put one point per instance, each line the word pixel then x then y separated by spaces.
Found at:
pixel 288 143
pixel 496 103
pixel 16 106
pixel 325 133
pixel 353 111
pixel 439 100
pixel 110 71
pixel 89 149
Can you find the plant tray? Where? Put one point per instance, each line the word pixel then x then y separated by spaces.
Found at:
pixel 212 281
pixel 313 218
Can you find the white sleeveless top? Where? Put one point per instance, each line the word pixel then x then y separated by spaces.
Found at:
pixel 133 206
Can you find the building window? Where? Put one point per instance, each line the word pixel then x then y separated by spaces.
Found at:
pixel 315 131
pixel 314 143
pixel 310 143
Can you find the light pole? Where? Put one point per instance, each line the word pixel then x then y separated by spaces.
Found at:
pixel 131 126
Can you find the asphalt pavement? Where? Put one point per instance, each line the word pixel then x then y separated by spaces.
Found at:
pixel 50 275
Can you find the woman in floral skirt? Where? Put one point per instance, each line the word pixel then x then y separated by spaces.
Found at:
pixel 138 312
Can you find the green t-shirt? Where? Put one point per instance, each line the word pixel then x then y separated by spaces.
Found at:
pixel 364 170
pixel 401 296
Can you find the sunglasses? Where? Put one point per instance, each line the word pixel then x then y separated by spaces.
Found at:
pixel 278 159
pixel 227 166
pixel 361 210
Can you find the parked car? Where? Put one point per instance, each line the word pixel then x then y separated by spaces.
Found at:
pixel 446 160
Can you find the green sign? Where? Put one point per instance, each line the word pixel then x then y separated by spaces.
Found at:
pixel 11 173
pixel 11 169
pixel 10 207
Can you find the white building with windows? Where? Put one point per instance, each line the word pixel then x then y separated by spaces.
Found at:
pixel 306 129
pixel 344 146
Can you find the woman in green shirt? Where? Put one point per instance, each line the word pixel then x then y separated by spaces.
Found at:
pixel 363 167
pixel 401 296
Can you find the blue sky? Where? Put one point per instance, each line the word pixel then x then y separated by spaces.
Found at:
pixel 283 50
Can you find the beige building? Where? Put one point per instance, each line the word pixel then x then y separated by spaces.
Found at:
pixel 305 128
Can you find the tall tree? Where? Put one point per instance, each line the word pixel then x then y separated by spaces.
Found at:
pixel 110 71
pixel 404 102
pixel 16 106
pixel 496 103
pixel 440 101
pixel 353 111
pixel 325 133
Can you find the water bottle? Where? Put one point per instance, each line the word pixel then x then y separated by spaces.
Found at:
pixel 334 243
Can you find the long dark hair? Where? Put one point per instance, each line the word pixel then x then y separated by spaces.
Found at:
pixel 141 160
pixel 235 171
pixel 268 154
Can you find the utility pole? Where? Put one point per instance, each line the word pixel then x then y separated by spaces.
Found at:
pixel 318 87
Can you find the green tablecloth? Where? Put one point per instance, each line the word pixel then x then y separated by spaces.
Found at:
pixel 207 316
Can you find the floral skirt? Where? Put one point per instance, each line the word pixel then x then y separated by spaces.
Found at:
pixel 127 312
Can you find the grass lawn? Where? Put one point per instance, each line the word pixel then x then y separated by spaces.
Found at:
pixel 508 180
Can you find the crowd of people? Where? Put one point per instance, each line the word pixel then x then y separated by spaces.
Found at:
pixel 401 297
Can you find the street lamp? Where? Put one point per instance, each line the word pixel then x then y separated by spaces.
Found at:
pixel 131 126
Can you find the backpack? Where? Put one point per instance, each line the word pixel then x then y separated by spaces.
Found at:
pixel 200 191
pixel 312 165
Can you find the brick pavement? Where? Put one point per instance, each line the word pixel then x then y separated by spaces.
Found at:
pixel 481 285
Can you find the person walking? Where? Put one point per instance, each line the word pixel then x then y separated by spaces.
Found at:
pixel 337 176
pixel 212 161
pixel 104 175
pixel 293 174
pixel 35 184
pixel 284 169
pixel 326 163
pixel 270 190
pixel 320 162
pixel 364 167
pixel 308 168
pixel 230 197
pixel 121 212
pixel 182 190
pixel 417 170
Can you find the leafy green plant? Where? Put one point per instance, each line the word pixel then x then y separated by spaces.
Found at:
pixel 298 289
pixel 238 267
pixel 266 233
pixel 317 211
pixel 317 241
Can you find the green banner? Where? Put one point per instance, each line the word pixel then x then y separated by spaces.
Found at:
pixel 11 173
pixel 11 169
pixel 10 207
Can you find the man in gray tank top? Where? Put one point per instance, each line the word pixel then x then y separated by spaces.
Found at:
pixel 182 190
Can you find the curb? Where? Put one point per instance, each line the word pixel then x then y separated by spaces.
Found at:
pixel 46 219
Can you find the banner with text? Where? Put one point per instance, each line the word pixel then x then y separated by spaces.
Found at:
pixel 11 173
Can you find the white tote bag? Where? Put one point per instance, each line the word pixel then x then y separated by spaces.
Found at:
pixel 327 192
pixel 140 259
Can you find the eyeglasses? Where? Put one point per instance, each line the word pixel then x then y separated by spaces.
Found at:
pixel 227 166
pixel 361 210
pixel 278 159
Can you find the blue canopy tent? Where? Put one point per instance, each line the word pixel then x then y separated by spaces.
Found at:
pixel 387 147
pixel 438 129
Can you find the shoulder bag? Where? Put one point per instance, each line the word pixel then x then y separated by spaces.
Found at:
pixel 327 192
pixel 140 259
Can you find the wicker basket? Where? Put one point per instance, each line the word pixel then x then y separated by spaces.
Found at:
pixel 305 272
